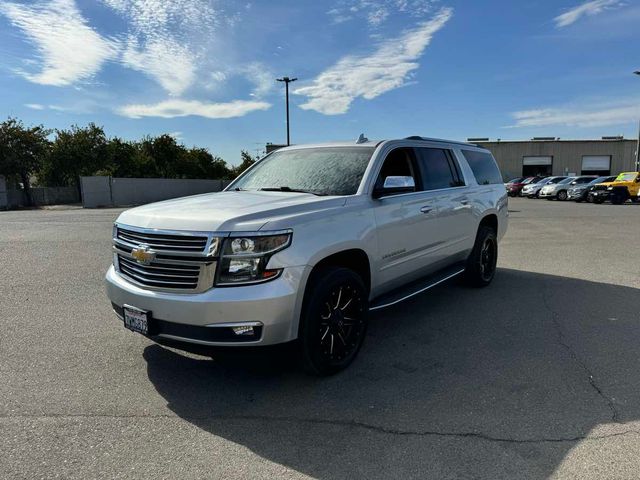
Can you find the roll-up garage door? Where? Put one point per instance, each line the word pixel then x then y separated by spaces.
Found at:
pixel 596 163
pixel 539 165
pixel 537 160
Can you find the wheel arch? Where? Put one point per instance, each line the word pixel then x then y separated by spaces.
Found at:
pixel 490 220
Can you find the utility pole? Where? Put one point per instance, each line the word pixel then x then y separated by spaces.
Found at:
pixel 287 81
pixel 637 72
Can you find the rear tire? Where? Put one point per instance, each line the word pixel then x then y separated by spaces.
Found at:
pixel 334 320
pixel 481 264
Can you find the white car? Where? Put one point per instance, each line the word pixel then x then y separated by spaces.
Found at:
pixel 305 243
pixel 533 190
pixel 560 190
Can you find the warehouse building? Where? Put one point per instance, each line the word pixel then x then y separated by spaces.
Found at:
pixel 553 156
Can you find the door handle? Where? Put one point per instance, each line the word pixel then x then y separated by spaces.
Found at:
pixel 426 209
pixel 464 202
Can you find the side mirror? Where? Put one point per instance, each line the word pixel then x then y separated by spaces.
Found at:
pixel 395 184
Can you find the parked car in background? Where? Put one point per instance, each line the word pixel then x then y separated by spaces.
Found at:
pixel 532 190
pixel 556 190
pixel 625 187
pixel 514 189
pixel 580 192
pixel 514 180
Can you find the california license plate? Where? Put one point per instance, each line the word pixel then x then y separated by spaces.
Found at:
pixel 136 320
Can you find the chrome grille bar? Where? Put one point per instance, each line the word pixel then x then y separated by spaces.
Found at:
pixel 181 262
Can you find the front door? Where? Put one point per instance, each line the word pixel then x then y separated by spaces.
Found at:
pixel 408 225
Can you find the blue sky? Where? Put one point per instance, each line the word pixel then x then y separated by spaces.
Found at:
pixel 204 70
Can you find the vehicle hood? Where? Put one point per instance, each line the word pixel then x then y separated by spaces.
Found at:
pixel 608 184
pixel 225 211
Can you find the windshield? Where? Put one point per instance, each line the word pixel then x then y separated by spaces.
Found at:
pixel 529 180
pixel 626 177
pixel 322 171
pixel 602 180
pixel 566 180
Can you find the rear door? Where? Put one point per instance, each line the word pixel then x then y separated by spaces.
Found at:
pixel 442 177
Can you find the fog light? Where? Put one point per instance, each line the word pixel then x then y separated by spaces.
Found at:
pixel 244 330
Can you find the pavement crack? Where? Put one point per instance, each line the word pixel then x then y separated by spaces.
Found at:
pixel 199 419
pixel 555 318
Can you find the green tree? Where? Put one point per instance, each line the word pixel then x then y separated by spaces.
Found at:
pixel 165 154
pixel 246 160
pixel 123 159
pixel 74 153
pixel 22 151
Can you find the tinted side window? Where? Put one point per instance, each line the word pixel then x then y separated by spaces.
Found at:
pixel 436 169
pixel 399 162
pixel 483 166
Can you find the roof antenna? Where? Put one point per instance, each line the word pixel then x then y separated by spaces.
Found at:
pixel 361 139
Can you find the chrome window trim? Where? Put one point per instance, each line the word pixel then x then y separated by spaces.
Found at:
pixel 443 190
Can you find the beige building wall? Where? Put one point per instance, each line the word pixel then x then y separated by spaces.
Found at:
pixel 567 154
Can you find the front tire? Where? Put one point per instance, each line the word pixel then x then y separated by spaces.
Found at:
pixel 562 195
pixel 481 264
pixel 334 320
pixel 618 198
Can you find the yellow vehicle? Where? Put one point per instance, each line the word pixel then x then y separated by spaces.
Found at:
pixel 625 187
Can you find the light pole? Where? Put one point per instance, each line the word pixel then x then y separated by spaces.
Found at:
pixel 287 81
pixel 637 72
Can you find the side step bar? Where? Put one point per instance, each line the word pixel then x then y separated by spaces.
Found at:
pixel 415 288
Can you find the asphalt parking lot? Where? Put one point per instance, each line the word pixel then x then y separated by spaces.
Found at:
pixel 536 376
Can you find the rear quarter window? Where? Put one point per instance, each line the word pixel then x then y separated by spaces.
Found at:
pixel 483 166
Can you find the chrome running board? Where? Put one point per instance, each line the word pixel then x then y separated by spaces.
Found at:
pixel 415 288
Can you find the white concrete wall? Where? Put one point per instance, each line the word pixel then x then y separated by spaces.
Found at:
pixel 124 192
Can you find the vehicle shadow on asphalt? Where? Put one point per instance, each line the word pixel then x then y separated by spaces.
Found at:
pixel 493 383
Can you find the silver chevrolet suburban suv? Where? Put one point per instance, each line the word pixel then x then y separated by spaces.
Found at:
pixel 305 243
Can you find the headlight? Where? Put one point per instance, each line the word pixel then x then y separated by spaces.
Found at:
pixel 244 259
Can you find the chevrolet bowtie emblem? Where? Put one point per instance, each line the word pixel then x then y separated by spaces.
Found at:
pixel 143 254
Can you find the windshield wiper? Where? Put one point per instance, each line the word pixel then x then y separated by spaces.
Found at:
pixel 289 189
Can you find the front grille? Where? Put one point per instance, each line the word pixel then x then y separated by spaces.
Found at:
pixel 162 241
pixel 182 261
pixel 161 275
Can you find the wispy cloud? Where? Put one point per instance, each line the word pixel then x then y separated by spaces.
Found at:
pixel 35 106
pixel 376 12
pixel 586 9
pixel 164 39
pixel 369 76
pixel 262 78
pixel 69 50
pixel 170 63
pixel 619 112
pixel 183 108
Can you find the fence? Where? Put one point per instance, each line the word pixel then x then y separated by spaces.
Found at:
pixel 12 198
pixel 123 192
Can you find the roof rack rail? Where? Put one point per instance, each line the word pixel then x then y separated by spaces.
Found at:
pixel 441 140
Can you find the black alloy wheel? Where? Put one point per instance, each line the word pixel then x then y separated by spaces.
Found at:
pixel 334 321
pixel 481 264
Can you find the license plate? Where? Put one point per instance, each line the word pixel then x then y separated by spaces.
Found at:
pixel 136 320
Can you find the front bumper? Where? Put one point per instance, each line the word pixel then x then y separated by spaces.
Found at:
pixel 188 317
pixel 576 194
pixel 600 194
